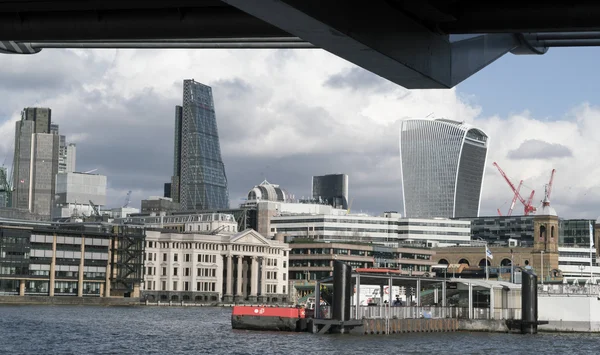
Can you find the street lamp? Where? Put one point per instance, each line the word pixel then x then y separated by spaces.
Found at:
pixel 542 259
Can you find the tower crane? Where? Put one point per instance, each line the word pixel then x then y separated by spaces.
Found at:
pixel 549 188
pixel 528 208
pixel 127 199
pixel 512 204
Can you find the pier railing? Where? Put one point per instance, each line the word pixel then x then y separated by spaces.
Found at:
pixel 571 290
pixel 413 312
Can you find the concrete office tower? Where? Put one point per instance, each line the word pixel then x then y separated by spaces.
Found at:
pixel 71 158
pixel 74 191
pixel 442 166
pixel 331 189
pixel 35 161
pixel 199 181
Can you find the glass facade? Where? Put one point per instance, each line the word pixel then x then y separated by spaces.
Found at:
pixel 442 165
pixel 331 189
pixel 499 229
pixel 199 173
pixel 574 232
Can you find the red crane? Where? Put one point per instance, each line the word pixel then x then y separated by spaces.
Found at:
pixel 512 204
pixel 528 208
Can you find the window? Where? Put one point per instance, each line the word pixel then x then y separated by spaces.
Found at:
pixel 174 285
pixel 164 285
pixel 284 278
pixel 199 272
pixel 283 288
pixel 175 257
pixel 164 256
pixel 198 285
pixel 199 257
pixel 186 286
pixel 174 271
pixel 164 271
pixel 187 258
pixel 187 272
pixel 284 264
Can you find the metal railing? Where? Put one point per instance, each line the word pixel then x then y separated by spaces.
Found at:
pixel 413 312
pixel 573 290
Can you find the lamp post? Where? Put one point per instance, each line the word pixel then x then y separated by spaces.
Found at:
pixel 542 259
pixel 512 270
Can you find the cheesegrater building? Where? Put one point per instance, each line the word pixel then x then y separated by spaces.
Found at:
pixel 199 181
pixel 442 166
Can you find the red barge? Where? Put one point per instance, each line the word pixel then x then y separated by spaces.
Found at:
pixel 268 318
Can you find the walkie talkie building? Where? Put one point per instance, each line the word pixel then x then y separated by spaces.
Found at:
pixel 442 166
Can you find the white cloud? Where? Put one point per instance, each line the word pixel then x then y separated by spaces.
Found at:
pixel 279 117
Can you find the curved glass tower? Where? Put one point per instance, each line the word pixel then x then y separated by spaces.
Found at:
pixel 442 166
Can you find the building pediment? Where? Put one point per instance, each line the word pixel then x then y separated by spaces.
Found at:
pixel 249 236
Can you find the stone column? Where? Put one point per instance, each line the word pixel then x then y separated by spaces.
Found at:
pixel 239 294
pixel 80 273
pixel 254 280
pixel 263 279
pixel 228 297
pixel 22 288
pixel 108 270
pixel 52 267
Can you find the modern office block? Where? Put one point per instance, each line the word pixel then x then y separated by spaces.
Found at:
pixel 442 166
pixel 199 181
pixel 332 189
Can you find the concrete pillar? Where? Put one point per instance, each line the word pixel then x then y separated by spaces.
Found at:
pixel 358 314
pixel 22 288
pixel 254 279
pixel 52 267
pixel 108 269
pixel 101 289
pixel 444 299
pixel 492 306
pixel 418 292
pixel 136 290
pixel 470 301
pixel 80 272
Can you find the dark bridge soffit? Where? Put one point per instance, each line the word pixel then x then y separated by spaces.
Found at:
pixel 382 40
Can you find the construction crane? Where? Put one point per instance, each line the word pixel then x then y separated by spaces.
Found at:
pixel 127 199
pixel 512 204
pixel 549 188
pixel 95 208
pixel 527 207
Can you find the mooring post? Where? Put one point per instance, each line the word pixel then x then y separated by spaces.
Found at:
pixel 317 313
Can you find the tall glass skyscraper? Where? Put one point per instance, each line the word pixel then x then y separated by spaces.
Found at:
pixel 442 166
pixel 199 181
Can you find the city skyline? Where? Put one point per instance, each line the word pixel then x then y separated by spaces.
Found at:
pixel 286 119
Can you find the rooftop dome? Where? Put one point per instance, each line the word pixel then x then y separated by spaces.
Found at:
pixel 266 191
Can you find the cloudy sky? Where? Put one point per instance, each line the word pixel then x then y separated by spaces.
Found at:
pixel 286 115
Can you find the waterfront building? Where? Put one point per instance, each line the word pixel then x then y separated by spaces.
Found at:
pixel 75 190
pixel 35 161
pixel 70 259
pixel 158 204
pixel 389 229
pixel 503 230
pixel 313 260
pixel 442 166
pixel 199 181
pixel 207 267
pixel 191 222
pixel 332 189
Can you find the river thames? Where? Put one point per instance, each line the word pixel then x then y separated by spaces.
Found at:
pixel 173 330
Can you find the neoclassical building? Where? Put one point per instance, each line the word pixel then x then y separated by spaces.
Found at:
pixel 211 268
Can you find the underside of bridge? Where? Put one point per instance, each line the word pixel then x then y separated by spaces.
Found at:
pixel 414 43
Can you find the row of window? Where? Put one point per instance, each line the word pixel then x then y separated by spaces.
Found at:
pixel 200 272
pixel 361 221
pixel 202 258
pixel 200 286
